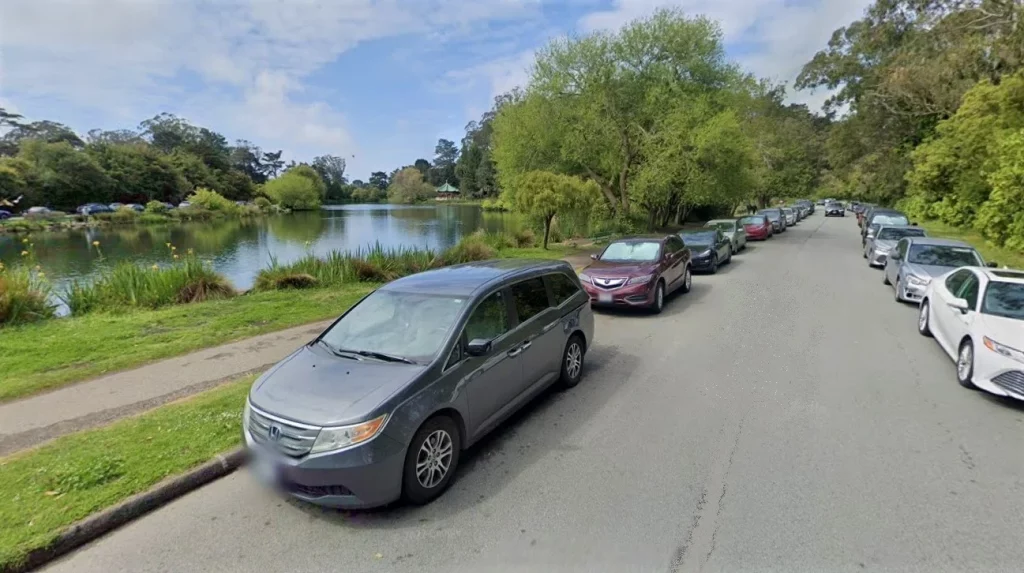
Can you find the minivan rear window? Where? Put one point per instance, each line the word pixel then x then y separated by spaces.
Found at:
pixel 562 287
pixel 531 298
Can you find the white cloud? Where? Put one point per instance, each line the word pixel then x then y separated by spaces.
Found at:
pixel 241 64
pixel 776 37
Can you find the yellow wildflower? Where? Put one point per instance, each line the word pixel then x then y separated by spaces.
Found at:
pixel 168 245
pixel 156 267
pixel 95 243
pixel 174 248
pixel 42 276
pixel 190 251
pixel 175 257
pixel 25 240
pixel 24 253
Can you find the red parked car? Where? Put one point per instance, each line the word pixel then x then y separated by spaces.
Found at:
pixel 757 227
pixel 638 272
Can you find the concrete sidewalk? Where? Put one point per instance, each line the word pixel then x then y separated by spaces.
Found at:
pixel 33 420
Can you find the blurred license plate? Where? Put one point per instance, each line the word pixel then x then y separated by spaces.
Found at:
pixel 604 297
pixel 266 469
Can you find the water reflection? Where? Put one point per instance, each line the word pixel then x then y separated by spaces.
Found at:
pixel 238 249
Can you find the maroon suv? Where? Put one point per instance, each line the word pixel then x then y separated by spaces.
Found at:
pixel 638 271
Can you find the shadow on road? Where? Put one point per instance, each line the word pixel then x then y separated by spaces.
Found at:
pixel 536 431
pixel 675 303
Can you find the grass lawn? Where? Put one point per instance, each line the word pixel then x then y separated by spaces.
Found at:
pixel 44 490
pixel 54 353
pixel 1012 259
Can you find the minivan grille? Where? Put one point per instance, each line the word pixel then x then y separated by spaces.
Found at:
pixel 291 439
pixel 1012 381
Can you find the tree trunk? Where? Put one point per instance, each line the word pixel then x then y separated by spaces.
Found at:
pixel 547 229
pixel 666 214
pixel 623 191
pixel 652 213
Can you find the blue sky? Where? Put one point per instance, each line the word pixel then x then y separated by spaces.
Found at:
pixel 376 82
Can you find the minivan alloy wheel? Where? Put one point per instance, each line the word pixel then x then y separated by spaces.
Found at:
pixel 434 459
pixel 573 359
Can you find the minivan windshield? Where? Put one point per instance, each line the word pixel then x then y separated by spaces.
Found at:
pixel 632 251
pixel 400 324
pixel 1004 299
pixel 943 256
pixel 895 233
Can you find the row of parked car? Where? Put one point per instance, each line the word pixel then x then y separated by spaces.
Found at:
pixel 381 404
pixel 973 308
pixel 641 271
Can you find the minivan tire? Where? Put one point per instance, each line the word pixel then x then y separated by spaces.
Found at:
pixel 687 280
pixel 442 429
pixel 575 350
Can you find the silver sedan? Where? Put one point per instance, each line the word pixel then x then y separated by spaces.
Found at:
pixel 877 248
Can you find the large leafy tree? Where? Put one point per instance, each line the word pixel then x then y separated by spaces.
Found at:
pixel 139 173
pixel 446 154
pixel 63 177
pixel 331 169
pixel 408 186
pixel 379 179
pixel 594 101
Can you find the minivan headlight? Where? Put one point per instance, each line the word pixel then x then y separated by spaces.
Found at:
pixel 245 416
pixel 330 439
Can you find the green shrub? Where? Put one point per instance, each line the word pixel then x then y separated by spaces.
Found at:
pixel 129 286
pixel 262 203
pixel 124 216
pixel 212 201
pixel 470 248
pixel 153 219
pixel 156 207
pixel 24 296
pixel 525 238
pixel 495 204
pixel 293 191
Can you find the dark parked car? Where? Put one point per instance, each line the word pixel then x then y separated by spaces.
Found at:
pixel 381 404
pixel 757 227
pixel 778 220
pixel 808 204
pixel 94 209
pixel 638 272
pixel 135 207
pixel 834 209
pixel 4 214
pixel 881 218
pixel 708 249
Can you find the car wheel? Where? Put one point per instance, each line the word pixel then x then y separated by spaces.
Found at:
pixel 885 277
pixel 687 280
pixel 431 460
pixel 659 298
pixel 865 255
pixel 923 326
pixel 899 285
pixel 714 264
pixel 572 362
pixel 728 257
pixel 965 365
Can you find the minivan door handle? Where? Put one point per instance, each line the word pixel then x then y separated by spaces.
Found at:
pixel 515 352
pixel 525 345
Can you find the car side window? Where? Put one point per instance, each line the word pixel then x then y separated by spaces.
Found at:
pixel 489 319
pixel 531 298
pixel 674 244
pixel 955 281
pixel 969 291
pixel 901 249
pixel 455 357
pixel 563 287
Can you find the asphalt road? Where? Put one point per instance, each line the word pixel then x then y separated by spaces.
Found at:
pixel 783 416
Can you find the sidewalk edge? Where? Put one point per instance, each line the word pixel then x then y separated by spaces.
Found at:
pixel 106 520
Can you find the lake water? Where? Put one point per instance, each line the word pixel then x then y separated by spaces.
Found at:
pixel 239 249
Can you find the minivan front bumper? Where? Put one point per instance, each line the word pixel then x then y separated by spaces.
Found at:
pixel 368 475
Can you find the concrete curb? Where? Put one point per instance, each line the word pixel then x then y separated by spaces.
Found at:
pixel 98 524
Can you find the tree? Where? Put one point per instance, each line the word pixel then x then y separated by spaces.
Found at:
pixel 168 132
pixel 593 100
pixel 196 173
pixel 139 173
pixel 63 177
pixel 543 195
pixel 408 187
pixel 446 154
pixel 379 179
pixel 331 169
pixel 423 166
pixel 116 136
pixel 248 158
pixel 308 172
pixel 47 131
pixel 272 163
pixel 294 190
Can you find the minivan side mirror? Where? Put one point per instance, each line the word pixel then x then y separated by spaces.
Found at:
pixel 479 347
pixel 593 256
pixel 992 265
pixel 959 304
pixel 914 223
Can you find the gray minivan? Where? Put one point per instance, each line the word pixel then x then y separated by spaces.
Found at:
pixel 379 406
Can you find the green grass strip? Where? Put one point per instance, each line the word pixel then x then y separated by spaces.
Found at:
pixel 54 353
pixel 44 490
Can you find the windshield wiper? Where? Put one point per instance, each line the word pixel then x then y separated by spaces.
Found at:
pixel 339 352
pixel 380 356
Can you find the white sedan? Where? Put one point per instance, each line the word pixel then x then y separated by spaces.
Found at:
pixel 977 316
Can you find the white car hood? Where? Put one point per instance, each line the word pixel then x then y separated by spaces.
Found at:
pixel 1003 330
